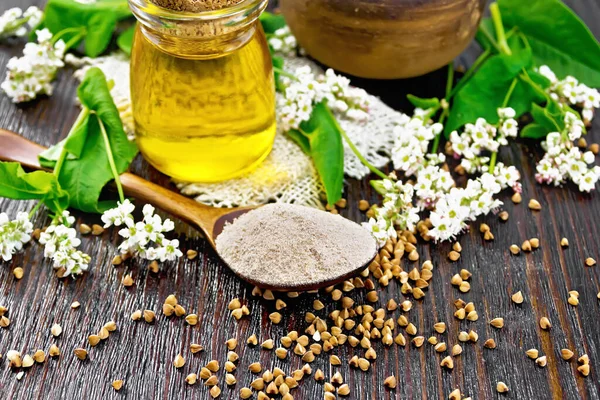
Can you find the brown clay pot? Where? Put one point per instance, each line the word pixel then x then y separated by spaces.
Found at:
pixel 383 39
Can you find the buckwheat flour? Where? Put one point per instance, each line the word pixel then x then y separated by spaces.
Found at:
pixel 294 246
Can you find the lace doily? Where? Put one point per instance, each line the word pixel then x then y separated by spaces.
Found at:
pixel 287 175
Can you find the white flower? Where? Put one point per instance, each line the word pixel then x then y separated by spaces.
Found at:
pixel 572 92
pixel 461 205
pixel 432 184
pixel 411 142
pixel 14 22
pixel 119 215
pixel 60 242
pixel 14 234
pixel 169 250
pixel 32 74
pixel 141 236
pixel 545 71
pixel 283 42
pixel 507 177
pixel 299 97
pixel 396 212
pixel 563 161
pixel 380 229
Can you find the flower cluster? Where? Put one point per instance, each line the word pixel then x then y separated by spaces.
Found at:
pixel 60 244
pixel 508 177
pixel 396 212
pixel 14 22
pixel 283 42
pixel 32 74
pixel 411 141
pixel 563 161
pixel 14 234
pixel 432 184
pixel 571 91
pixel 480 137
pixel 140 236
pixel 306 90
pixel 461 205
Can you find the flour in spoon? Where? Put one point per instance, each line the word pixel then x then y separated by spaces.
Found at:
pixel 294 246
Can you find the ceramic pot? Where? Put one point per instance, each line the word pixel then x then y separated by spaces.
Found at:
pixel 383 39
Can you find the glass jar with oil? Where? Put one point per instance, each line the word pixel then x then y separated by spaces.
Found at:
pixel 202 87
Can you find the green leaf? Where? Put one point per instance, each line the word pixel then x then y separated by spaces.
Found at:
pixel 50 156
pixel 485 92
pixel 98 19
pixel 300 140
pixel 425 104
pixel 39 185
pixel 87 169
pixel 550 118
pixel 125 40
pixel 323 136
pixel 271 22
pixel 557 36
pixel 534 131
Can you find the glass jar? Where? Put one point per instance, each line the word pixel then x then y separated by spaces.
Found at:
pixel 202 90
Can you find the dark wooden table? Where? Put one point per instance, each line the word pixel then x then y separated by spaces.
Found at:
pixel 142 354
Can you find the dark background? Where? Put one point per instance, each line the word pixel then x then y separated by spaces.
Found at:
pixel 142 354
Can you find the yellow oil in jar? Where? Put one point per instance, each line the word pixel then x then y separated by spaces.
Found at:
pixel 203 120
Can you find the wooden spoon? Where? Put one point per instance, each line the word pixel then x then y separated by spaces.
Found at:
pixel 209 220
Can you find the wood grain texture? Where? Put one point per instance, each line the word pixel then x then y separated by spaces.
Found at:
pixel 142 354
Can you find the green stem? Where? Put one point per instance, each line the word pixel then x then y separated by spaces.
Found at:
pixel 436 140
pixel 493 162
pixel 355 150
pixel 449 83
pixel 511 89
pixel 66 31
pixel 525 77
pixel 497 19
pixel 470 72
pixel 85 112
pixel 76 39
pixel 16 24
pixel 284 73
pixel 111 160
pixel 492 40
pixel 35 209
pixel 449 79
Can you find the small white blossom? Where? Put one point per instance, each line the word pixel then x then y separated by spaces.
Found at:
pixel 572 92
pixel 432 184
pixel 283 42
pixel 563 161
pixel 32 75
pixel 396 212
pixel 14 22
pixel 461 205
pixel 411 142
pixel 299 97
pixel 143 238
pixel 14 234
pixel 119 215
pixel 508 177
pixel 60 245
pixel 481 137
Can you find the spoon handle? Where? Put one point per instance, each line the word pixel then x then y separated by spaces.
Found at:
pixel 16 148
